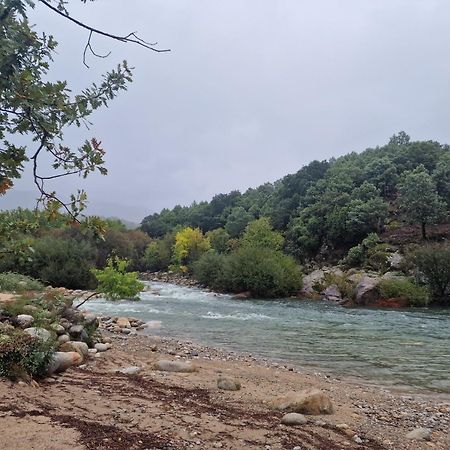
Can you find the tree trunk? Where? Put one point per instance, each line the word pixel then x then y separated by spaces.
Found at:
pixel 424 231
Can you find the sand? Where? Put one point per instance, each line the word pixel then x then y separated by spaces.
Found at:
pixel 93 407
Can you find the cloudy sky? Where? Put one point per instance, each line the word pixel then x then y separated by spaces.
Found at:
pixel 251 90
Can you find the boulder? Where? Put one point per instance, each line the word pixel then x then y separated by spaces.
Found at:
pixel 40 333
pixel 63 338
pixel 58 329
pixel 76 331
pixel 91 319
pixel 166 365
pixel 75 346
pixel 332 293
pixel 123 322
pixel 294 419
pixel 419 434
pixel 367 291
pixel 101 347
pixel 228 384
pixel 309 281
pixel 24 320
pixel 132 370
pixel 61 361
pixel 309 401
pixel 396 260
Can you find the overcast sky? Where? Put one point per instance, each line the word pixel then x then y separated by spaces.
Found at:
pixel 251 90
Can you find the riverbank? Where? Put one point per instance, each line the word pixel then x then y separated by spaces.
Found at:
pixel 94 406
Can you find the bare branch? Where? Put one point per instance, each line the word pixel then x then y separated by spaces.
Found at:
pixel 131 37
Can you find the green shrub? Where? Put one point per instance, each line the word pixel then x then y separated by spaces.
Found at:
pixel 63 262
pixel 403 288
pixel 22 355
pixel 434 263
pixel 115 282
pixel 264 272
pixel 211 270
pixel 15 282
pixel 355 257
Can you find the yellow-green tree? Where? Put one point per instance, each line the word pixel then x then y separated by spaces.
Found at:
pixel 190 244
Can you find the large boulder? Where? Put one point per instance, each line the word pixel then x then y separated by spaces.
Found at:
pixel 166 365
pixel 61 361
pixel 332 293
pixel 75 346
pixel 311 280
pixel 40 333
pixel 24 320
pixel 309 401
pixel 367 293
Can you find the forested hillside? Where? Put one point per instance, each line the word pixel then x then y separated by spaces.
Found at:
pixel 330 206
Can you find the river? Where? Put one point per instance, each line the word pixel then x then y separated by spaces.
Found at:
pixel 409 347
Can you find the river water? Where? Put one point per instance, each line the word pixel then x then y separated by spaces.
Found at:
pixel 409 347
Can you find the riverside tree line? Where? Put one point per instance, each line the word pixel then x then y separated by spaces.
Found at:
pixel 335 211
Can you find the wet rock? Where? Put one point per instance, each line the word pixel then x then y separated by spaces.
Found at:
pixel 243 295
pixel 294 419
pixel 62 361
pixel 419 434
pixel 175 366
pixel 309 401
pixel 24 320
pixel 228 384
pixel 40 333
pixel 366 291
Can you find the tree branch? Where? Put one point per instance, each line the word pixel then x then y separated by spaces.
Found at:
pixel 131 37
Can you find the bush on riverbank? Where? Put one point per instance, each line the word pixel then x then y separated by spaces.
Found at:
pixel 433 262
pixel 264 272
pixel 402 288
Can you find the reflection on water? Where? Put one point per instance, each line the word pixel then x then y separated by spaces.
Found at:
pixel 408 347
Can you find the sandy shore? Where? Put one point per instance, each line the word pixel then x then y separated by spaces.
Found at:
pixel 94 407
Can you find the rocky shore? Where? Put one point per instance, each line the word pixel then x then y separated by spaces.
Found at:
pixel 148 392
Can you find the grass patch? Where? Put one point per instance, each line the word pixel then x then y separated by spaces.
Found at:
pixel 403 288
pixel 15 282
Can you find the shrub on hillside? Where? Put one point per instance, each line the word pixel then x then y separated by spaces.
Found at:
pixel 403 288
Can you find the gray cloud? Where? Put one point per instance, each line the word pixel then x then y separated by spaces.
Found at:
pixel 252 90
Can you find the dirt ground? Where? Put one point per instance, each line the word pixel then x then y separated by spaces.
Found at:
pixel 94 407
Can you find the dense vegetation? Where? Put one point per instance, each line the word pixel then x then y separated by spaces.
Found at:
pixel 329 211
pixel 61 252
pixel 338 211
